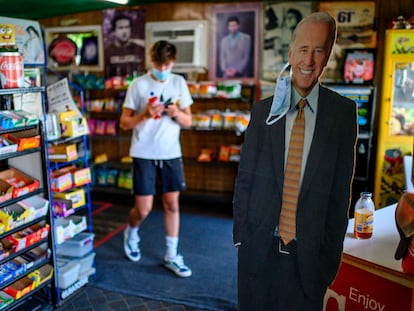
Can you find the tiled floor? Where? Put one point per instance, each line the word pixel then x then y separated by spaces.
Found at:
pixel 91 298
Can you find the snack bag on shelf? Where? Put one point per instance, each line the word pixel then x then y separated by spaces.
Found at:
pixel 205 155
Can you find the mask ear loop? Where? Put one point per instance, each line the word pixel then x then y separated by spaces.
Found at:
pixel 285 67
pixel 278 89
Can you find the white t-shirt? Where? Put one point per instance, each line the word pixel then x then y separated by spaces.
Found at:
pixel 156 139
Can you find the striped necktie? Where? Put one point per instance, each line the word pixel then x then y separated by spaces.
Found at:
pixel 291 184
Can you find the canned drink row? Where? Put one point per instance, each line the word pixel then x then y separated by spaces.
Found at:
pixel 11 70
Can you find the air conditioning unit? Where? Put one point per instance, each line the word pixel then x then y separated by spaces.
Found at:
pixel 189 37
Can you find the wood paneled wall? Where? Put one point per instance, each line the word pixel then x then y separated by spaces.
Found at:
pixel 386 10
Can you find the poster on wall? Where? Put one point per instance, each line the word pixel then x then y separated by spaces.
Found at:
pixel 355 24
pixel 28 38
pixel 359 66
pixel 60 98
pixel 234 41
pixel 279 22
pixel 124 42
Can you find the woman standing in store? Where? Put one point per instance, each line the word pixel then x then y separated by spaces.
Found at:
pixel 156 106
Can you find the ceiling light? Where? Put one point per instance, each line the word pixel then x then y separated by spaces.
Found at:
pixel 118 1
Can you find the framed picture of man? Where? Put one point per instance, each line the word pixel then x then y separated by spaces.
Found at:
pixel 280 20
pixel 234 41
pixel 124 42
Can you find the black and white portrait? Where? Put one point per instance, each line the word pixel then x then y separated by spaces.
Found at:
pixel 280 21
pixel 124 35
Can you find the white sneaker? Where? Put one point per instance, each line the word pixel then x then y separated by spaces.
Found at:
pixel 177 266
pixel 131 246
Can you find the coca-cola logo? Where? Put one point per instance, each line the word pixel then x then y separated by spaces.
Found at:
pixel 11 70
pixel 5 65
pixel 63 50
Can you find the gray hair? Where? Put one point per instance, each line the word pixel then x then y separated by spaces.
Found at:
pixel 316 17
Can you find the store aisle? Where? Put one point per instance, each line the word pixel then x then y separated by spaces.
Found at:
pixel 110 214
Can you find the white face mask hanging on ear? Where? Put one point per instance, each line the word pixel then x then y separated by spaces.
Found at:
pixel 281 99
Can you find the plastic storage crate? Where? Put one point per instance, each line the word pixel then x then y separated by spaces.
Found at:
pixel 78 246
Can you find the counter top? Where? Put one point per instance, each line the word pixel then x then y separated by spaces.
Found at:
pixel 376 255
pixel 380 248
pixel 369 277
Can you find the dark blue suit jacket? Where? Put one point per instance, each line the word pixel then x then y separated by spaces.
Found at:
pixel 324 199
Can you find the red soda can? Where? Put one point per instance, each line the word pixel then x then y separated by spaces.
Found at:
pixel 11 70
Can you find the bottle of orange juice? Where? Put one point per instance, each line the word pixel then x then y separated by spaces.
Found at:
pixel 364 216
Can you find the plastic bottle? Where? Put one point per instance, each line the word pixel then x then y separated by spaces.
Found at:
pixel 153 100
pixel 364 216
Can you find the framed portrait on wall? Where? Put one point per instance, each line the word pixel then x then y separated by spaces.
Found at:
pixel 234 41
pixel 279 22
pixel 124 42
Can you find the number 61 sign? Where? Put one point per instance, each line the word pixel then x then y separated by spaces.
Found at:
pixel 355 22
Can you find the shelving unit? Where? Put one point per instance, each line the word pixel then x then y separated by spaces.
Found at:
pixel 213 179
pixel 208 178
pixel 114 144
pixel 72 212
pixel 27 239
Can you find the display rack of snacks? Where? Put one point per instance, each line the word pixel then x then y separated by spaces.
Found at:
pixel 27 258
pixel 111 168
pixel 70 178
pixel 211 147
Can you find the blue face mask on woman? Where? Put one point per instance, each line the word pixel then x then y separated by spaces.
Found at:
pixel 161 75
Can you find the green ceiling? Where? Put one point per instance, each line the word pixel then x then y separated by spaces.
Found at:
pixel 37 9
